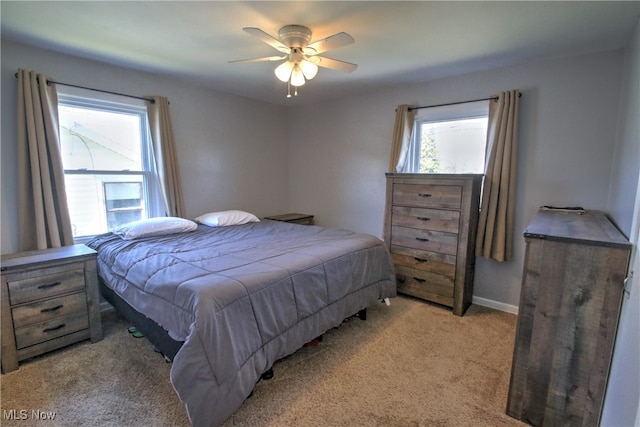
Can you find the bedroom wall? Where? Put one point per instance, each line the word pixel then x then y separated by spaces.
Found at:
pixel 624 173
pixel 336 171
pixel 622 403
pixel 340 149
pixel 223 166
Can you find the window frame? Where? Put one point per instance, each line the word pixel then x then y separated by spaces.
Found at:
pixel 444 113
pixel 90 100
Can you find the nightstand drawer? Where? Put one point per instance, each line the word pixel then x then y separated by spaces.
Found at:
pixel 42 311
pixel 428 219
pixel 47 283
pixel 51 329
pixel 427 195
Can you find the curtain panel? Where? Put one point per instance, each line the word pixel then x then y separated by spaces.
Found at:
pixel 164 152
pixel 401 138
pixel 496 223
pixel 43 215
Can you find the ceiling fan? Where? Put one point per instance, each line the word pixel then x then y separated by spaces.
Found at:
pixel 302 57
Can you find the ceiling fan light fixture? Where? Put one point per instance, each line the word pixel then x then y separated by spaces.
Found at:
pixel 297 77
pixel 309 69
pixel 302 56
pixel 283 71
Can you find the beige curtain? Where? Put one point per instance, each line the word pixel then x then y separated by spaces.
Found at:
pixel 43 215
pixel 495 227
pixel 401 138
pixel 164 152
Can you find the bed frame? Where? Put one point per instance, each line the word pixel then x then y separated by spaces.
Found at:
pixel 155 333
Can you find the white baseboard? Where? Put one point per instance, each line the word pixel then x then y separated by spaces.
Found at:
pixel 513 309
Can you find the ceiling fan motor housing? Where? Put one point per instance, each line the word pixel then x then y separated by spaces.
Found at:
pixel 294 35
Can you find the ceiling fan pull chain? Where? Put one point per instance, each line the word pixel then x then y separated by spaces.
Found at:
pixel 289 89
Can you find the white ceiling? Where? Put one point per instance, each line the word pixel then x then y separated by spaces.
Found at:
pixel 396 42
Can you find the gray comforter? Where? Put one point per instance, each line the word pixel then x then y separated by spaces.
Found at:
pixel 242 297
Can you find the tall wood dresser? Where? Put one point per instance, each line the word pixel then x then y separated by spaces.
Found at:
pixel 430 229
pixel 49 299
pixel 572 288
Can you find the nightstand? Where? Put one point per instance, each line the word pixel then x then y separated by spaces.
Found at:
pixel 49 299
pixel 293 217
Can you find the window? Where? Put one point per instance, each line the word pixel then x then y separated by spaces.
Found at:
pixel 124 202
pixel 106 155
pixel 450 139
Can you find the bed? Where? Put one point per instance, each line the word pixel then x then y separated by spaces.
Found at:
pixel 235 299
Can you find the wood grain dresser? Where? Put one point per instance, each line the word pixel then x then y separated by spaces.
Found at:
pixel 430 228
pixel 49 300
pixel 572 288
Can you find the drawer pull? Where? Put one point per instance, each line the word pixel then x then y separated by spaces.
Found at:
pixel 50 285
pixel 417 279
pixel 422 239
pixel 48 310
pixel 423 218
pixel 400 279
pixel 54 328
pixel 424 194
pixel 420 259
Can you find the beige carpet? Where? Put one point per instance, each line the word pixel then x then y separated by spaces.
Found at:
pixel 409 364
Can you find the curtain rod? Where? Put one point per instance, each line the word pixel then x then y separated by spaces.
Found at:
pixel 494 98
pixel 98 90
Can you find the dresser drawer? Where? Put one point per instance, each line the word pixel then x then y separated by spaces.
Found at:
pixel 426 240
pixel 430 286
pixel 429 219
pixel 428 195
pixel 46 283
pixel 423 260
pixel 54 328
pixel 427 277
pixel 42 311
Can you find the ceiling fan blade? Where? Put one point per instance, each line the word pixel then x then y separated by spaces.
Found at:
pixel 334 64
pixel 263 59
pixel 271 41
pixel 332 42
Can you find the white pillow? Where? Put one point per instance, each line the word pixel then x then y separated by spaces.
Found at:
pixel 224 218
pixel 154 227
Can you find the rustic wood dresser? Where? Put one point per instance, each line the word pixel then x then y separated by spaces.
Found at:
pixel 572 288
pixel 430 228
